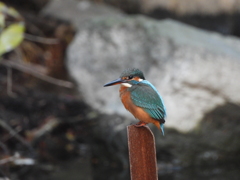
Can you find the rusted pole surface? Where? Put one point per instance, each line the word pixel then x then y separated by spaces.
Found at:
pixel 142 153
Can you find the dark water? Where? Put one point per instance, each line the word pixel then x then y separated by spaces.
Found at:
pixel 203 173
pixel 213 173
pixel 82 169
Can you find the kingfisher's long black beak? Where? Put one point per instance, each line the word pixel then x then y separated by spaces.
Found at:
pixel 114 82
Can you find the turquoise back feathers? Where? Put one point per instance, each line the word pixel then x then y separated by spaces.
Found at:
pixel 146 96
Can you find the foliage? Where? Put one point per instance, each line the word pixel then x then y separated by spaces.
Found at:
pixel 11 28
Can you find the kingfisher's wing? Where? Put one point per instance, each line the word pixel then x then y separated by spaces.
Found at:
pixel 145 96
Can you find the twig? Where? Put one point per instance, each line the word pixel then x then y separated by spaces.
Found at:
pixel 40 39
pixel 19 54
pixel 17 160
pixel 16 135
pixel 47 127
pixel 4 148
pixel 4 172
pixel 31 70
pixel 9 82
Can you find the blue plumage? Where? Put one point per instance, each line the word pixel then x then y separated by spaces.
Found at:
pixel 145 95
pixel 141 98
pixel 162 102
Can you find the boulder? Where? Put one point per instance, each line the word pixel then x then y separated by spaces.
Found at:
pixel 195 71
pixel 211 7
pixel 78 12
pixel 182 7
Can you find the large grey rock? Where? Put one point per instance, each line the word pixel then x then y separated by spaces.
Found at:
pixel 212 7
pixel 195 71
pixel 181 7
pixel 79 12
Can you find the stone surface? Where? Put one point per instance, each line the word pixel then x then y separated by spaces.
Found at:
pixel 194 70
pixel 78 12
pixel 212 7
pixel 183 7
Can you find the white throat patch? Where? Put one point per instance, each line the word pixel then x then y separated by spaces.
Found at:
pixel 126 84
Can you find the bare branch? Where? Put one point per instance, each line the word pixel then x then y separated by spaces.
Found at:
pixel 46 128
pixel 31 69
pixel 9 82
pixel 16 135
pixel 17 160
pixel 40 39
pixel 4 148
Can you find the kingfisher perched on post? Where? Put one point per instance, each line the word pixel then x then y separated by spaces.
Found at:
pixel 141 98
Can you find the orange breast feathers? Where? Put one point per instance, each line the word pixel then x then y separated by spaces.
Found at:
pixel 136 111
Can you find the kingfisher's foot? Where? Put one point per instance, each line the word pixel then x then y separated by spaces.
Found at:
pixel 140 124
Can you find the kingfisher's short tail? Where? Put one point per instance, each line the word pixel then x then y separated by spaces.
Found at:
pixel 160 126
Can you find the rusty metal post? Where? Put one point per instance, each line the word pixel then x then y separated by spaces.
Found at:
pixel 142 153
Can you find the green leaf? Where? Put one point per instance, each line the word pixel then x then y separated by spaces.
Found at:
pixel 9 10
pixel 2 22
pixel 11 37
pixel 2 6
pixel 2 17
pixel 13 12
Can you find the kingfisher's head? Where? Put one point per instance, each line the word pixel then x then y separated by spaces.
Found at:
pixel 128 78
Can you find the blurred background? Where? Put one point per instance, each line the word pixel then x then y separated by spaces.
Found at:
pixel 58 122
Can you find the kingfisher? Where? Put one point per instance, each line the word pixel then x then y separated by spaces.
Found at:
pixel 141 98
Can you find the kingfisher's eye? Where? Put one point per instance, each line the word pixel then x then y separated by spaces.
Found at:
pixel 130 77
